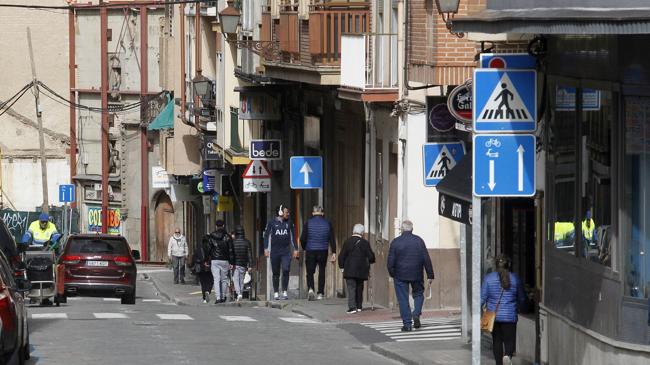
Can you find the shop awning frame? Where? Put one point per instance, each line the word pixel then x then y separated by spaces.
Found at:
pixel 568 21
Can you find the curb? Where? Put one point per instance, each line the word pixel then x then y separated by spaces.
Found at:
pixel 392 355
pixel 163 293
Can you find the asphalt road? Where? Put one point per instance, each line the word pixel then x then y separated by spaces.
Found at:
pixel 155 331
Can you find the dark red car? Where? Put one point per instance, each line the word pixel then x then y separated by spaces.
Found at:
pixel 98 266
pixel 14 333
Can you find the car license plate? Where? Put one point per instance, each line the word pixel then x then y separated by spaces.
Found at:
pixel 96 263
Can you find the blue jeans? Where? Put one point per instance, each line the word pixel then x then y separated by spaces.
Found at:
pixel 402 292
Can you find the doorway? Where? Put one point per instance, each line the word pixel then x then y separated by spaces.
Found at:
pixel 165 223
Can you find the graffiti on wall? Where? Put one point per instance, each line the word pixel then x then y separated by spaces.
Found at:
pixel 18 221
pixel 95 220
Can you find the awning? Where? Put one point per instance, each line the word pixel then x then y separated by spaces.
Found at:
pixel 458 181
pixel 164 120
pixel 557 21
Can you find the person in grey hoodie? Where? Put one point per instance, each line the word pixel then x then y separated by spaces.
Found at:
pixel 177 253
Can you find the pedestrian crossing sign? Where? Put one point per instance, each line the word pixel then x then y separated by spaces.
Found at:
pixel 505 100
pixel 439 159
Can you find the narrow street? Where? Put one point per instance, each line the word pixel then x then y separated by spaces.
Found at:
pixel 157 331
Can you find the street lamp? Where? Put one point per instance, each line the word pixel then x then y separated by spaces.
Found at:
pixel 447 9
pixel 203 88
pixel 230 17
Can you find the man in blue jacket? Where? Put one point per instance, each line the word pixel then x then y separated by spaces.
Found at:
pixel 407 259
pixel 317 238
pixel 280 245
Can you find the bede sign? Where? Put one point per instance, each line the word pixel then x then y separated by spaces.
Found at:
pixel 265 149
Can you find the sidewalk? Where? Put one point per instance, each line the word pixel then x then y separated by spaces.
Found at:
pixel 452 352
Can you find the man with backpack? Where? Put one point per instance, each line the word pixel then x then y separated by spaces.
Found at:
pixel 221 254
pixel 317 239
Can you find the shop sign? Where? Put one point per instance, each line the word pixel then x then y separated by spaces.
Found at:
pixel 259 106
pixel 455 209
pixel 265 149
pixel 440 118
pixel 159 178
pixel 459 102
pixel 209 180
pixel 225 203
pixel 211 151
pixel 95 220
pixel 565 99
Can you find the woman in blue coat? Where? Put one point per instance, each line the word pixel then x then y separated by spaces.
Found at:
pixel 505 288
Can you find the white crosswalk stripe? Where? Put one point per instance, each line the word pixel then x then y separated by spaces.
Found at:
pixel 433 329
pixel 110 315
pixel 49 316
pixel 299 320
pixel 238 319
pixel 178 317
pixel 112 299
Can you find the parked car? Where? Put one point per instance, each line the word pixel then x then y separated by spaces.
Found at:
pixel 98 266
pixel 14 329
pixel 8 246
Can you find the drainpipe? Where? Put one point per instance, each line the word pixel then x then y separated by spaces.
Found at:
pixel 72 82
pixel 407 86
pixel 144 149
pixel 181 12
pixel 103 13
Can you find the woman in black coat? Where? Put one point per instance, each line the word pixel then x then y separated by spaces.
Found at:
pixel 354 261
pixel 201 268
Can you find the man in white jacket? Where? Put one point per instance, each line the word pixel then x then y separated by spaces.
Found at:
pixel 177 252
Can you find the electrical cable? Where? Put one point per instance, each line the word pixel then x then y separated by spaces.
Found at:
pixel 2 105
pixel 15 99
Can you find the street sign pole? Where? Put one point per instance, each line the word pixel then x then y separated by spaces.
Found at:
pixel 476 280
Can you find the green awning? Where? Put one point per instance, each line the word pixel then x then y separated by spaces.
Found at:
pixel 164 120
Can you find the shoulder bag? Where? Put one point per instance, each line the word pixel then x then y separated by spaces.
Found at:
pixel 488 317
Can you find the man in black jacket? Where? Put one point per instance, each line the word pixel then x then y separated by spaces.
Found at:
pixel 221 254
pixel 243 260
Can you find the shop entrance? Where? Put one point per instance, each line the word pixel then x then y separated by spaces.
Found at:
pixel 518 238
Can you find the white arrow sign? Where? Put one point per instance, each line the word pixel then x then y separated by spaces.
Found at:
pixel 520 168
pixel 491 183
pixel 306 170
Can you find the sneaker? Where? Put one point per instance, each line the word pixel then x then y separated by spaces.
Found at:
pixel 359 310
pixel 507 360
pixel 319 297
pixel 284 295
pixel 416 322
pixel 351 311
pixel 276 296
pixel 406 329
pixel 205 301
pixel 310 295
pixel 240 297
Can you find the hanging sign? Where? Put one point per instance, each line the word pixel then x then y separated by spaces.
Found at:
pixel 459 102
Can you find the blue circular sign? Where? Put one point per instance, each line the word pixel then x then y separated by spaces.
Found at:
pixel 441 119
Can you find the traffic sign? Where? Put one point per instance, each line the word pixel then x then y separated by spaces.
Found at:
pixel 265 149
pixel 504 100
pixel 306 172
pixel 521 61
pixel 66 193
pixel 256 169
pixel 262 185
pixel 439 158
pixel 504 165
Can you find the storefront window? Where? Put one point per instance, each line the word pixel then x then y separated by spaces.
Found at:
pixel 636 225
pixel 563 154
pixel 596 187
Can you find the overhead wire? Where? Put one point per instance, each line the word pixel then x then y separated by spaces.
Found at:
pixel 5 106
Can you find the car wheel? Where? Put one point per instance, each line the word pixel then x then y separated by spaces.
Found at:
pixel 129 298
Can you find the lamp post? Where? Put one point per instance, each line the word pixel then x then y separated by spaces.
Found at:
pixel 230 17
pixel 447 9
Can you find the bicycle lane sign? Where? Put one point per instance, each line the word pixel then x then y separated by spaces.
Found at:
pixel 504 165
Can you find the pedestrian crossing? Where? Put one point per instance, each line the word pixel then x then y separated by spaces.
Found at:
pixel 433 329
pixel 159 316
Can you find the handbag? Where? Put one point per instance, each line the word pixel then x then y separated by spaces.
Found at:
pixel 488 317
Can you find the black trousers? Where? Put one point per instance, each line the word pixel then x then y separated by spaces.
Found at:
pixel 313 259
pixel 280 261
pixel 355 293
pixel 207 281
pixel 504 335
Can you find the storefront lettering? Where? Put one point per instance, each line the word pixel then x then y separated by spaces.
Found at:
pixel 95 220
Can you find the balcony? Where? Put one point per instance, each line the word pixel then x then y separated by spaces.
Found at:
pixel 369 67
pixel 310 46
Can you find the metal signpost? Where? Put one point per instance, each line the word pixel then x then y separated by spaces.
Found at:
pixel 306 172
pixel 439 158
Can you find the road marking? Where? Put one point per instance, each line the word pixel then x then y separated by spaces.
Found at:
pixel 112 299
pixel 49 316
pixel 150 300
pixel 300 320
pixel 238 318
pixel 151 271
pixel 110 315
pixel 196 293
pixel 180 317
pixel 433 329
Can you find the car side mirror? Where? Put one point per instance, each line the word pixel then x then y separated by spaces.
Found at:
pixel 23 285
pixel 135 254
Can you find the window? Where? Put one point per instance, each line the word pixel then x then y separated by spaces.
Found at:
pixel 581 153
pixel 636 196
pixel 98 246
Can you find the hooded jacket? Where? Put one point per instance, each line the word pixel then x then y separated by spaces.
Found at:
pixel 243 254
